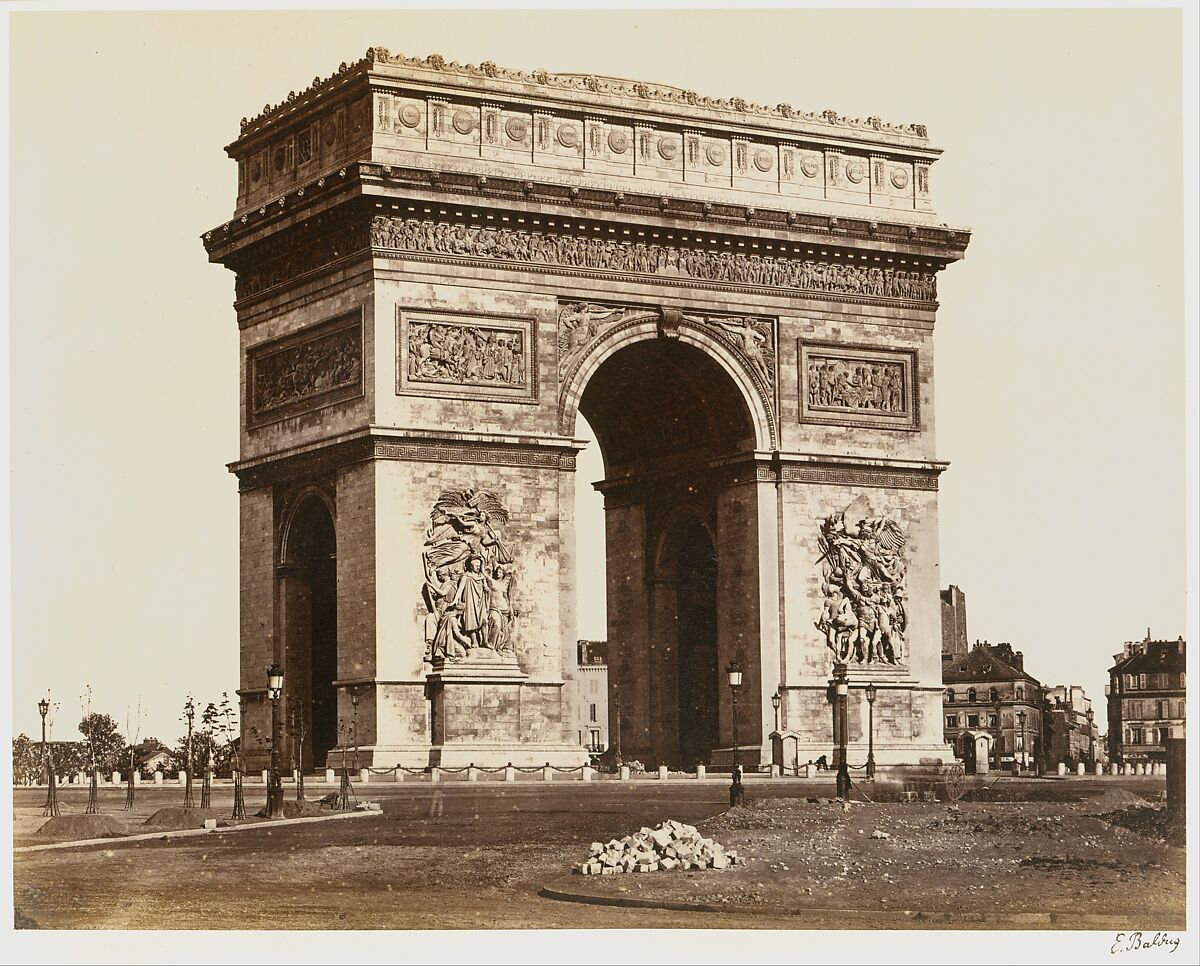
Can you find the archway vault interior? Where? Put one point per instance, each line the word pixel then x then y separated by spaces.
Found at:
pixel 663 403
pixel 662 412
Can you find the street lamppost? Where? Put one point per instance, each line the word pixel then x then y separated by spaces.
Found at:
pixel 996 708
pixel 733 672
pixel 870 690
pixel 1024 755
pixel 1091 715
pixel 51 807
pixel 274 785
pixel 776 701
pixel 841 693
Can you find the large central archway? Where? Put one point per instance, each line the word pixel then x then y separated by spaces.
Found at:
pixel 669 420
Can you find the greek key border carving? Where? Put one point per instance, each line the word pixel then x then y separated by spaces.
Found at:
pixel 474 454
pixel 861 476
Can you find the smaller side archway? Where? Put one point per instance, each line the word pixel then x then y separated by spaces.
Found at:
pixel 306 589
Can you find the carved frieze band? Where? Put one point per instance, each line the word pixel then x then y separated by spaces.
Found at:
pixel 434 451
pixel 467 356
pixel 639 258
pixel 846 385
pixel 303 248
pixel 314 368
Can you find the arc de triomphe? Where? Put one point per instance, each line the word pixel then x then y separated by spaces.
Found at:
pixel 438 268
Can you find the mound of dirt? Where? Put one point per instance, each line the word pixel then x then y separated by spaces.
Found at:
pixel 175 819
pixel 1148 821
pixel 1112 799
pixel 294 809
pixel 70 828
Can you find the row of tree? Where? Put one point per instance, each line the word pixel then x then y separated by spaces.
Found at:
pixel 214 745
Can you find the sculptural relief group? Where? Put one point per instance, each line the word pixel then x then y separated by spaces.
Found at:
pixel 856 384
pixel 465 354
pixel 309 369
pixel 411 234
pixel 863 616
pixel 468 579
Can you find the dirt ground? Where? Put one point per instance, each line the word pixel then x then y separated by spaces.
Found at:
pixel 478 857
pixel 1035 858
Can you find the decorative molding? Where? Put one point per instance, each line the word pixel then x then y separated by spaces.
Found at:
pixel 439 451
pixel 508 244
pixel 628 90
pixel 836 474
pixel 316 367
pixel 855 385
pixel 483 356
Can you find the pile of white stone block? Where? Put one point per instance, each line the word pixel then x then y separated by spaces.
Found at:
pixel 672 845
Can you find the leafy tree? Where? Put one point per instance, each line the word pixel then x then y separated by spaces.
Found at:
pixel 27 760
pixel 100 731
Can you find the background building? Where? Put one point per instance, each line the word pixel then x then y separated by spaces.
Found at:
pixel 591 697
pixel 1146 699
pixel 987 691
pixel 1072 734
pixel 954 624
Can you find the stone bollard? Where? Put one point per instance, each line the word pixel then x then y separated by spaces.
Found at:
pixel 1162 769
pixel 547 773
pixel 435 774
pixel 1080 768
pixel 397 774
pixel 586 774
pixel 662 773
pixel 624 774
pixel 330 776
pixel 1062 769
pixel 776 770
pixel 266 776
pixel 137 778
pixel 510 773
pixel 1114 768
pixel 158 778
pixel 472 773
pixel 181 778
pixel 1097 769
pixel 808 770
pixel 701 771
pixel 1141 768
pixel 116 778
pixel 364 776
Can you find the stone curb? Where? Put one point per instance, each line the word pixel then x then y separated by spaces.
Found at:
pixel 875 918
pixel 189 832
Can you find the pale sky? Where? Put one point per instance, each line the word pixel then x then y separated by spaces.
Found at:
pixel 1060 338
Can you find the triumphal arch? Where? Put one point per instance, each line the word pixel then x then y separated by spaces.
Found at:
pixel 438 268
